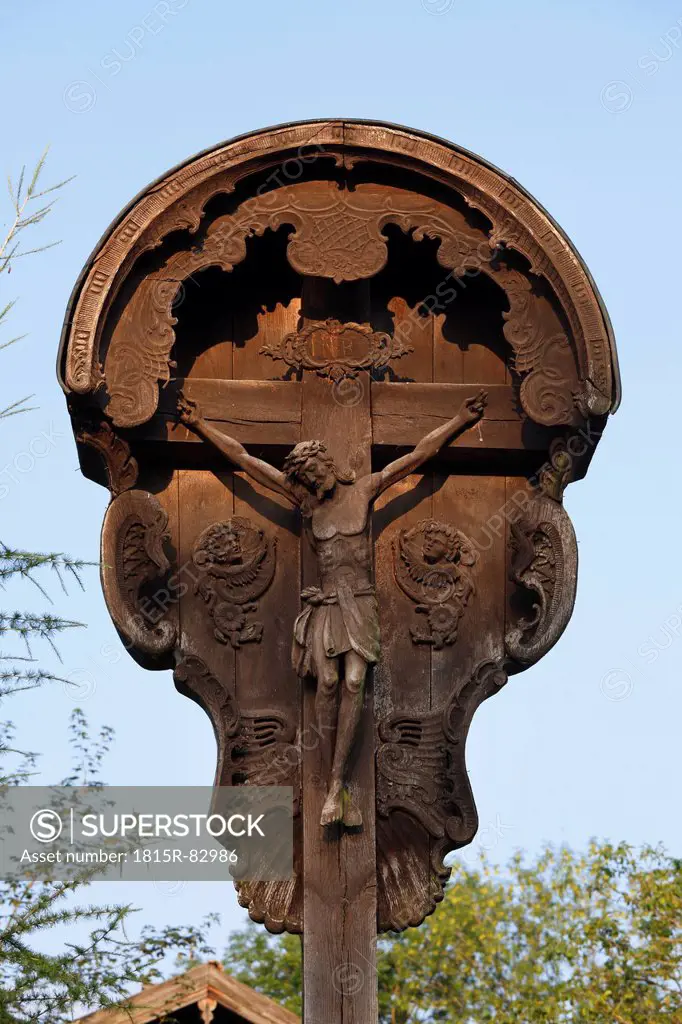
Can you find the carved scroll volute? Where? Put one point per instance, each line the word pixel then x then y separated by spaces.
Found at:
pixel 133 563
pixel 120 466
pixel 544 565
pixel 194 679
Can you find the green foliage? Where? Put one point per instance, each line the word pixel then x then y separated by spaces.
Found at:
pixel 270 964
pixel 29 208
pixel 102 968
pixel 567 938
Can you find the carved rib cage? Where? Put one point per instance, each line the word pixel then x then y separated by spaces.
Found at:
pixel 352 283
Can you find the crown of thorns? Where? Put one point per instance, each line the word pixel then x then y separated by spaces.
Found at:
pixel 299 455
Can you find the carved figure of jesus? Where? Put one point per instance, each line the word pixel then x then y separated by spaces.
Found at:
pixel 336 635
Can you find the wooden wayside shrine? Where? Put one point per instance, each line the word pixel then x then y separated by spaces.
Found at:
pixel 337 376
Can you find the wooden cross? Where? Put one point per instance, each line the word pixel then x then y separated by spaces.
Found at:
pixel 409 275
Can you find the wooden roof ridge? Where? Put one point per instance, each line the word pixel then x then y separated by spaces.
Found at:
pixel 205 982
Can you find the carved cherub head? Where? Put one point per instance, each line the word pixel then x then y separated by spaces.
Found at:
pixel 441 543
pixel 223 545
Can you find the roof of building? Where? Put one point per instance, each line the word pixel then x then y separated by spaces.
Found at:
pixel 205 986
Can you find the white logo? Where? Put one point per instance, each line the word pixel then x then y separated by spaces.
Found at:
pixel 46 826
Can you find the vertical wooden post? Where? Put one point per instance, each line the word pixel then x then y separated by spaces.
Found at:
pixel 339 941
pixel 339 906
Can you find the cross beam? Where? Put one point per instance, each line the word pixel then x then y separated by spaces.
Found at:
pixel 269 413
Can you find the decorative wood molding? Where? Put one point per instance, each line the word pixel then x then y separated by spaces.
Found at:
pixel 551 391
pixel 558 471
pixel 133 535
pixel 267 752
pixel 255 749
pixel 276 905
pixel 138 357
pixel 337 350
pixel 518 222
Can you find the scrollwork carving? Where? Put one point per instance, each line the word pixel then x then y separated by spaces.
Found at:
pixel 194 678
pixel 557 472
pixel 254 749
pixel 550 385
pixel 337 350
pixel 121 467
pixel 429 563
pixel 133 559
pixel 267 753
pixel 237 564
pixel 544 565
pixel 337 234
pixel 517 220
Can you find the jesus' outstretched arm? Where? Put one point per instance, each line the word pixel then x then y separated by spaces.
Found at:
pixel 260 471
pixel 470 413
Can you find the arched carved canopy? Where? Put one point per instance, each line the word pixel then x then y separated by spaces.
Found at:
pixel 566 367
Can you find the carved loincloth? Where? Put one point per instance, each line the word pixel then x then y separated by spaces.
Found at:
pixel 334 623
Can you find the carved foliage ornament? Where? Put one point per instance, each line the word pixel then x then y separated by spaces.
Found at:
pixel 254 749
pixel 544 565
pixel 179 203
pixel 550 389
pixel 139 353
pixel 337 350
pixel 121 467
pixel 421 773
pixel 133 565
pixel 194 678
pixel 267 752
pixel 236 562
pixel 430 562
pixel 421 766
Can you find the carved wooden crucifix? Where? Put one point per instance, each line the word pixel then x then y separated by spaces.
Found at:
pixel 337 475
pixel 336 636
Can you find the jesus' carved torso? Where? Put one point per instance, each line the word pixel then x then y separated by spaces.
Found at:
pixel 341 615
pixel 346 512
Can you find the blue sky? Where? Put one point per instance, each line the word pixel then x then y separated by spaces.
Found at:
pixel 580 102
